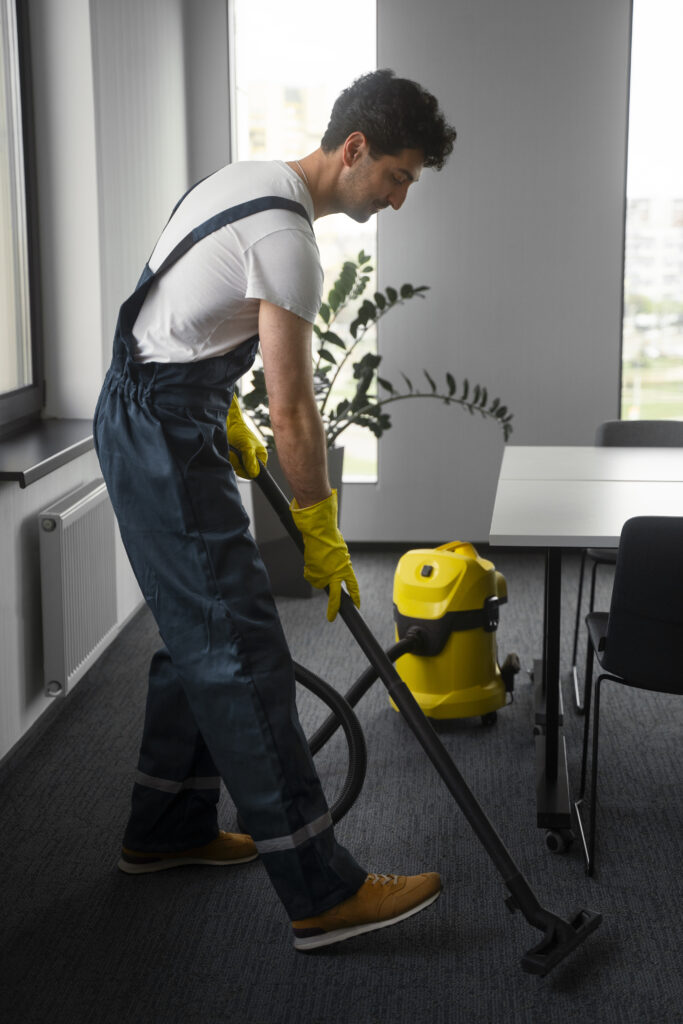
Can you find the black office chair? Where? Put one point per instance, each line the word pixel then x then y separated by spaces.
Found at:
pixel 639 642
pixel 619 434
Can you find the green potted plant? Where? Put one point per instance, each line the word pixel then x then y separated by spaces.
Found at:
pixel 350 391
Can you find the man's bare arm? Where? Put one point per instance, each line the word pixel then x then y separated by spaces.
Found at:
pixel 297 426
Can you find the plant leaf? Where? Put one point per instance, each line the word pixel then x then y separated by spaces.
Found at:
pixel 408 382
pixel 386 384
pixel 392 295
pixel 450 380
pixel 431 382
pixel 333 339
pixel 368 364
pixel 368 310
pixel 324 312
pixel 346 280
pixel 327 356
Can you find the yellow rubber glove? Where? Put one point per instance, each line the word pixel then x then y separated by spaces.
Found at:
pixel 247 443
pixel 326 557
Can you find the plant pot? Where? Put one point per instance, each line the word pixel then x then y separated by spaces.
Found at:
pixel 281 557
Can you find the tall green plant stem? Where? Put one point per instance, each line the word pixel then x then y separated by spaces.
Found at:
pixel 338 426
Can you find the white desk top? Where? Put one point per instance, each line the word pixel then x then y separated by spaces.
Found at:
pixel 532 462
pixel 576 513
pixel 581 497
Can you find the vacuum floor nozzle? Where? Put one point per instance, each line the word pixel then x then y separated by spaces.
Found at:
pixel 561 937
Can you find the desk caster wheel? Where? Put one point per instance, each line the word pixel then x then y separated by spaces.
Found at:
pixel 559 840
pixel 489 719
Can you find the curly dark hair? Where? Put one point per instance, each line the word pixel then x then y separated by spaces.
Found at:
pixel 393 114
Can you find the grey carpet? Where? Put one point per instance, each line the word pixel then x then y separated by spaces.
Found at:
pixel 83 943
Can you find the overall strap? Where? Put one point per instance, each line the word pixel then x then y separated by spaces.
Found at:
pixel 219 220
pixel 132 306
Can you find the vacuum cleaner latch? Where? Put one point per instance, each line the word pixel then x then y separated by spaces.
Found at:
pixel 491 614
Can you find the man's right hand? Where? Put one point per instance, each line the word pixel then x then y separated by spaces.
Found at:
pixel 327 562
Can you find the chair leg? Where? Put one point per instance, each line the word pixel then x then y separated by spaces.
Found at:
pixel 591 605
pixel 588 691
pixel 590 867
pixel 578 703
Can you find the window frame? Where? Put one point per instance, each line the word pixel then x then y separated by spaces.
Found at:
pixel 24 405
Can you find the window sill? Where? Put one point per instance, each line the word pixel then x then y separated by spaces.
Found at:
pixel 41 447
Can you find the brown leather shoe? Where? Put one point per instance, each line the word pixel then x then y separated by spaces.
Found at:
pixel 227 848
pixel 381 901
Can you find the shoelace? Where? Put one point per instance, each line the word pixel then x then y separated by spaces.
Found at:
pixel 373 879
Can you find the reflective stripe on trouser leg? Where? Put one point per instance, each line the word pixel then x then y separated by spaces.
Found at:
pixel 290 842
pixel 187 536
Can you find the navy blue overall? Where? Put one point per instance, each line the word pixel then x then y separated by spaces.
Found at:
pixel 221 690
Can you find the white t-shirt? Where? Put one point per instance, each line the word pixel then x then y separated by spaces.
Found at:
pixel 207 303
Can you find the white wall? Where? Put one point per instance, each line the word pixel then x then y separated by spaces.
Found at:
pixel 520 238
pixel 141 139
pixel 207 85
pixel 161 114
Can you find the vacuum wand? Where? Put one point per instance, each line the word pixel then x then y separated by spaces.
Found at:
pixel 560 936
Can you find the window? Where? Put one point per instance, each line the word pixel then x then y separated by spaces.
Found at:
pixel 20 387
pixel 652 359
pixel 285 81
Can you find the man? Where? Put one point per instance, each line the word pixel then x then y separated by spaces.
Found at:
pixel 237 265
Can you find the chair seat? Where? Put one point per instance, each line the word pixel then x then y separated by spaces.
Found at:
pixel 606 555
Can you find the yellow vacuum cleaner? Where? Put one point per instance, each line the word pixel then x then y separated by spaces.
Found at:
pixel 447 599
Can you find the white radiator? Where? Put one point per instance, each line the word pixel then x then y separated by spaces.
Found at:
pixel 78 584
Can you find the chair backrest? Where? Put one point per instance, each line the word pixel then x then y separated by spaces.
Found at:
pixel 640 434
pixel 644 641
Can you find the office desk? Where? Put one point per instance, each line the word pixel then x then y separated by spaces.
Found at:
pixel 555 498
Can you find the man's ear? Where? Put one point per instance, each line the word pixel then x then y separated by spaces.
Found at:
pixel 353 149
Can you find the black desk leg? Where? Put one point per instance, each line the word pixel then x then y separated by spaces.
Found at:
pixel 551 650
pixel 552 783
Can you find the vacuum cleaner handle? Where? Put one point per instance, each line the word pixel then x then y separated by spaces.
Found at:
pixel 278 502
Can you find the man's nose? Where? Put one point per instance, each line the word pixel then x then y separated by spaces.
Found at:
pixel 397 196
